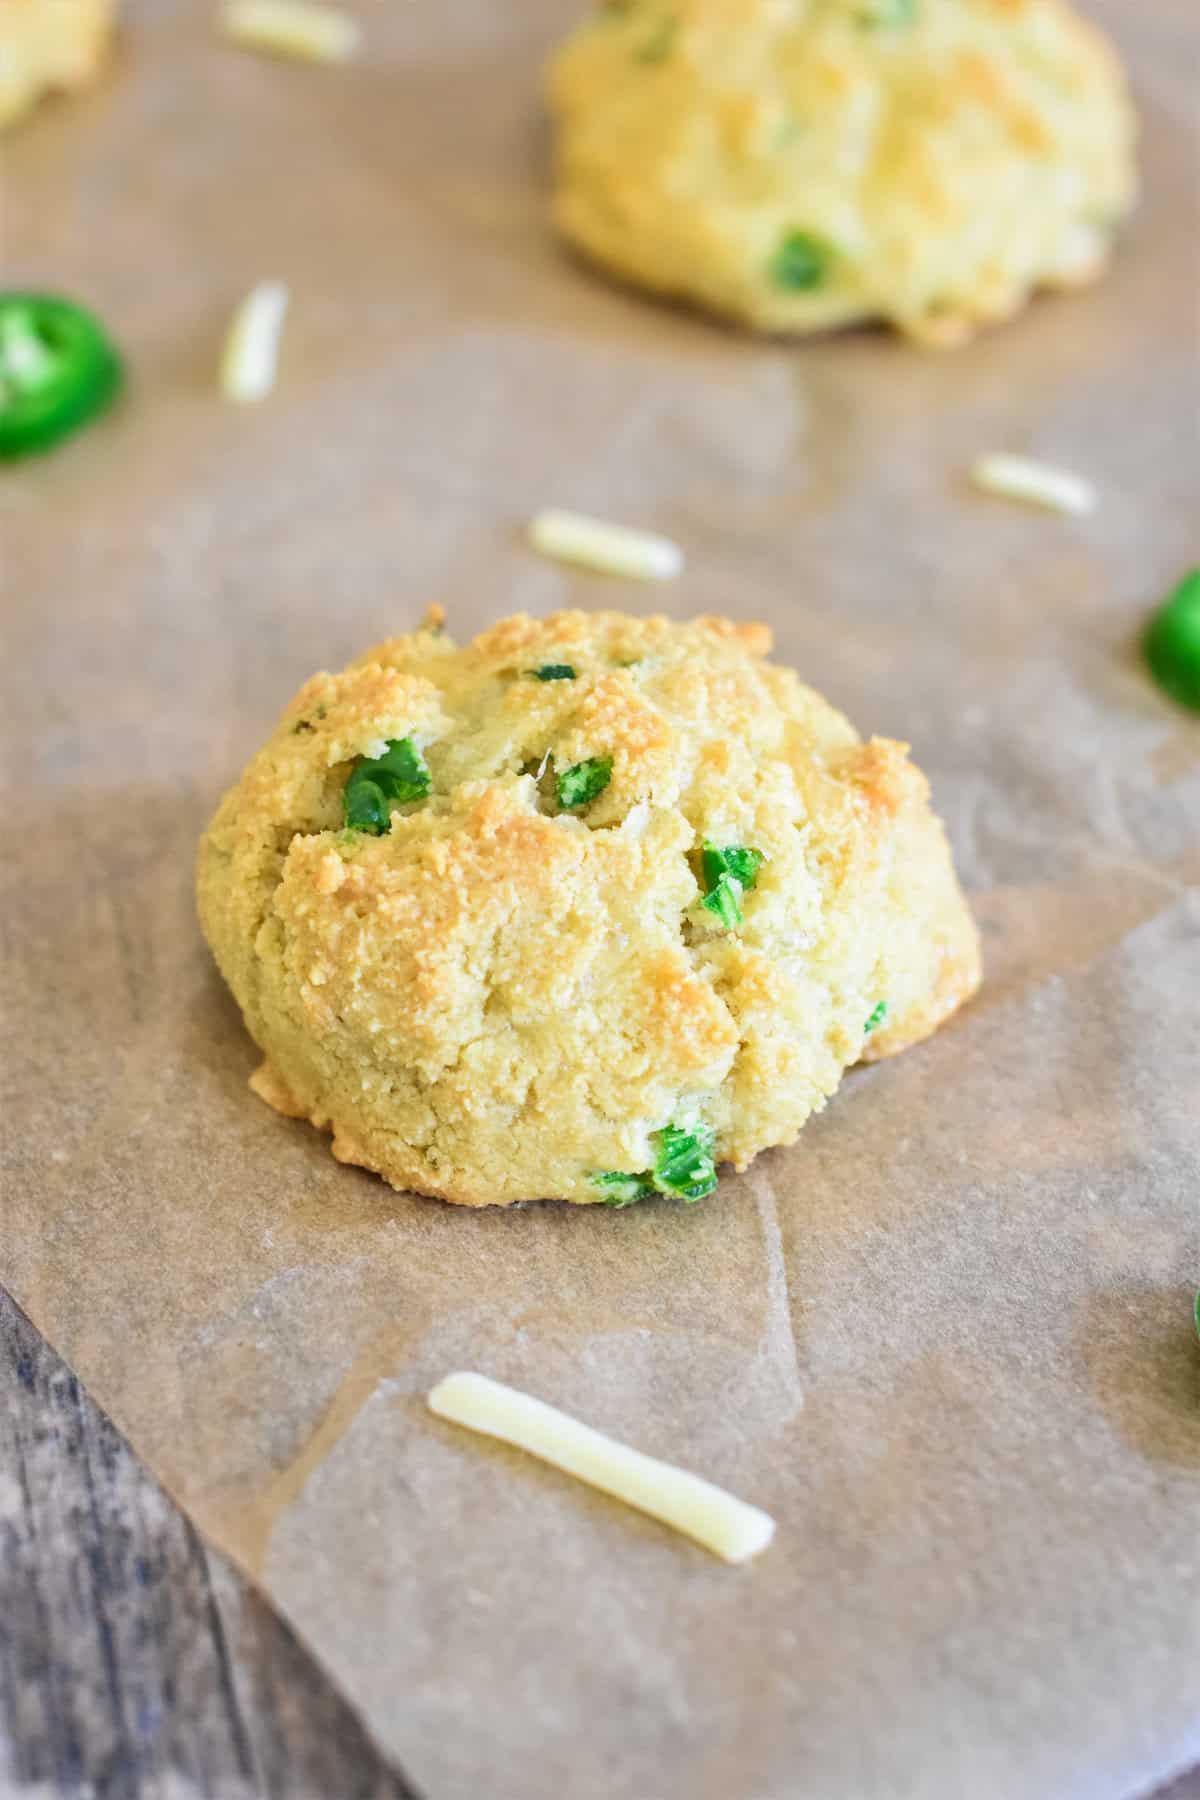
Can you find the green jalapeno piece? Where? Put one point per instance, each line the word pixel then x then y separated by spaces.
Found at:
pixel 58 369
pixel 1173 642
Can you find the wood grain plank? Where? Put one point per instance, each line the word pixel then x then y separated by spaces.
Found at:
pixel 135 1663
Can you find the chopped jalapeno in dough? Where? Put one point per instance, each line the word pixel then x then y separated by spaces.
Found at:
pixel 801 262
pixel 724 901
pixel 684 1165
pixel 737 860
pixel 683 1168
pixel 583 781
pixel 376 783
pixel 728 874
pixel 621 1189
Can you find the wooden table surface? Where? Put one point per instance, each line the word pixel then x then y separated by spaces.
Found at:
pixel 135 1663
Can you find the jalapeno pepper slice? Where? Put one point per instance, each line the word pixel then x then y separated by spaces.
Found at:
pixel 1173 642
pixel 58 369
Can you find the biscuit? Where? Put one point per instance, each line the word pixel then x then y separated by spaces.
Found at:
pixel 618 899
pixel 803 164
pixel 46 45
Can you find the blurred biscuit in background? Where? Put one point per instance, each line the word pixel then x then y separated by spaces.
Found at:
pixel 48 46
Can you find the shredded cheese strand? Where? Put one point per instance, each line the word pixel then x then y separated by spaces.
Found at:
pixel 723 1524
pixel 299 28
pixel 610 549
pixel 1019 478
pixel 251 353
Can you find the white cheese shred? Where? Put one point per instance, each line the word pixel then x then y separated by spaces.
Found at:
pixel 251 352
pixel 1019 478
pixel 299 28
pixel 729 1527
pixel 610 549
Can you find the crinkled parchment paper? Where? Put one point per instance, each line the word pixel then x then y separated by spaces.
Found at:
pixel 976 1267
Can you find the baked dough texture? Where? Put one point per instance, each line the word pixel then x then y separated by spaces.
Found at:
pixel 498 996
pixel 48 44
pixel 801 164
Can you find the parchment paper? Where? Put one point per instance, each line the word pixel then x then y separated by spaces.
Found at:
pixel 977 1265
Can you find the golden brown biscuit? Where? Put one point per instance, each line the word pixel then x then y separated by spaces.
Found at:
pixel 48 44
pixel 522 976
pixel 798 164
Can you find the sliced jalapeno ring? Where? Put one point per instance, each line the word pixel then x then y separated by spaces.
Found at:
pixel 1172 642
pixel 58 369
